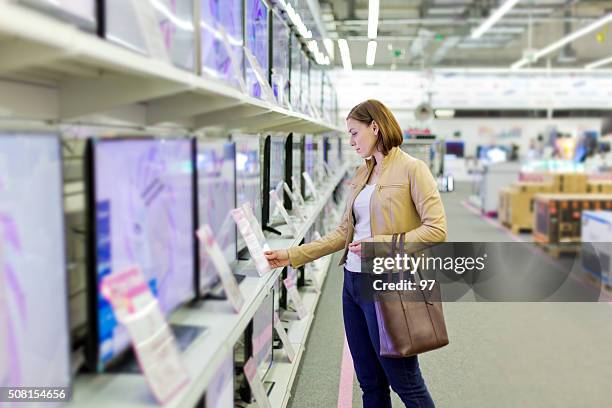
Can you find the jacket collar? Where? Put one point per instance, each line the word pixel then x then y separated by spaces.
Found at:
pixel 386 160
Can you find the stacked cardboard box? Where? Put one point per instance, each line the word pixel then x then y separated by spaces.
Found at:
pixel 599 186
pixel 516 204
pixel 570 183
pixel 558 216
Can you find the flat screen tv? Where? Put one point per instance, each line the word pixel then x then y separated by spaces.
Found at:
pixel 217 16
pixel 295 74
pixel 34 325
pixel 140 200
pixel 256 22
pixel 248 176
pixel 216 197
pixel 82 13
pixel 280 57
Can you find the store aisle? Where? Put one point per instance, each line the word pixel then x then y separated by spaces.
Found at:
pixel 500 354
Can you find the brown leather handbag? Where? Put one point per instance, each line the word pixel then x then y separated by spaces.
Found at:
pixel 410 322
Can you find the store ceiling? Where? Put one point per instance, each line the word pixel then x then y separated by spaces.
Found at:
pixel 436 33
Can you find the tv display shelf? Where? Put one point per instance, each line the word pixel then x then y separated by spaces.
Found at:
pixel 205 355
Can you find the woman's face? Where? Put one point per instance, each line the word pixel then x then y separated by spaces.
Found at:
pixel 363 137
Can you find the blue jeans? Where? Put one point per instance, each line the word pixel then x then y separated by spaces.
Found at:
pixel 376 373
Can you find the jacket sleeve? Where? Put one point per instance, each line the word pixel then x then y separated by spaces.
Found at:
pixel 427 201
pixel 330 243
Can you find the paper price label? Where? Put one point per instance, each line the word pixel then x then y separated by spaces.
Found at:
pixel 282 334
pixel 283 211
pixel 155 347
pixel 296 203
pixel 232 290
pixel 234 61
pixel 261 77
pixel 257 387
pixel 295 298
pixel 296 190
pixel 253 244
pixel 310 184
pixel 255 227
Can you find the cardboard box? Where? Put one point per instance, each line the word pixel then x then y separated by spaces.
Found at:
pixel 518 204
pixel 599 186
pixel 572 183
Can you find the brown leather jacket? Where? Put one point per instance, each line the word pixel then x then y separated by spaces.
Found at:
pixel 406 199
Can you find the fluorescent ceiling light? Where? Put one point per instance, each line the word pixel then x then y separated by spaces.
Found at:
pixel 599 63
pixel 329 47
pixel 576 34
pixel 371 55
pixel 345 54
pixel 507 29
pixel 566 40
pixel 445 10
pixel 444 113
pixel 494 18
pixel 373 19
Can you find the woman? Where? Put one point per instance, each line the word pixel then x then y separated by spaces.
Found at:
pixel 391 193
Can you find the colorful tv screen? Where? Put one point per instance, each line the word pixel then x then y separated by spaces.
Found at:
pixel 309 158
pixel 173 38
pixel 219 16
pixel 295 75
pixel 257 43
pixel 248 176
pixel 216 167
pixel 280 58
pixel 277 169
pixel 143 216
pixel 34 326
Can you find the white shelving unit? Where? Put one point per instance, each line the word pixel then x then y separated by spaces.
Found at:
pixel 52 71
pixel 224 327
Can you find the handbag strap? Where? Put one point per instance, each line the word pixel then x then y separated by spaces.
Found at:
pixel 402 242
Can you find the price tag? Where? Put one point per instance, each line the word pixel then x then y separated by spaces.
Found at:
pixel 253 244
pixel 150 29
pixel 295 298
pixel 282 334
pixel 296 190
pixel 255 227
pixel 158 355
pixel 310 184
pixel 257 387
pixel 296 203
pixel 232 290
pixel 261 77
pixel 283 211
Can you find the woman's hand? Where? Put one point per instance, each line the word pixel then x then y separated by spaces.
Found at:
pixel 355 247
pixel 278 258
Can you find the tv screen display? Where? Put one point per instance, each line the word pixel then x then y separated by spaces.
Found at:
pixel 262 334
pixel 248 176
pixel 126 23
pixel 34 326
pixel 455 148
pixel 216 169
pixel 316 83
pixel 295 75
pixel 80 12
pixel 280 57
pixel 309 159
pixel 142 215
pixel 276 171
pixel 257 43
pixel 298 161
pixel 319 160
pixel 220 391
pixel 305 84
pixel 217 16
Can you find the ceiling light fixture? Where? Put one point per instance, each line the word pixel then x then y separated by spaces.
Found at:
pixel 565 40
pixel 494 18
pixel 599 63
pixel 371 55
pixel 345 54
pixel 373 10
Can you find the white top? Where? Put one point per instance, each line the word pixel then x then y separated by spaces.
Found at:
pixel 361 208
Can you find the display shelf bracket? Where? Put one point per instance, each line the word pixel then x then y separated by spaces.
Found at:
pixel 82 96
pixel 19 55
pixel 228 116
pixel 186 105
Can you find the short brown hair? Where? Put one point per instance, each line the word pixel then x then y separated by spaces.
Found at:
pixel 389 129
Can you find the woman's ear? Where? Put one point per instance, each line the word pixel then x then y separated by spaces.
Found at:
pixel 375 128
